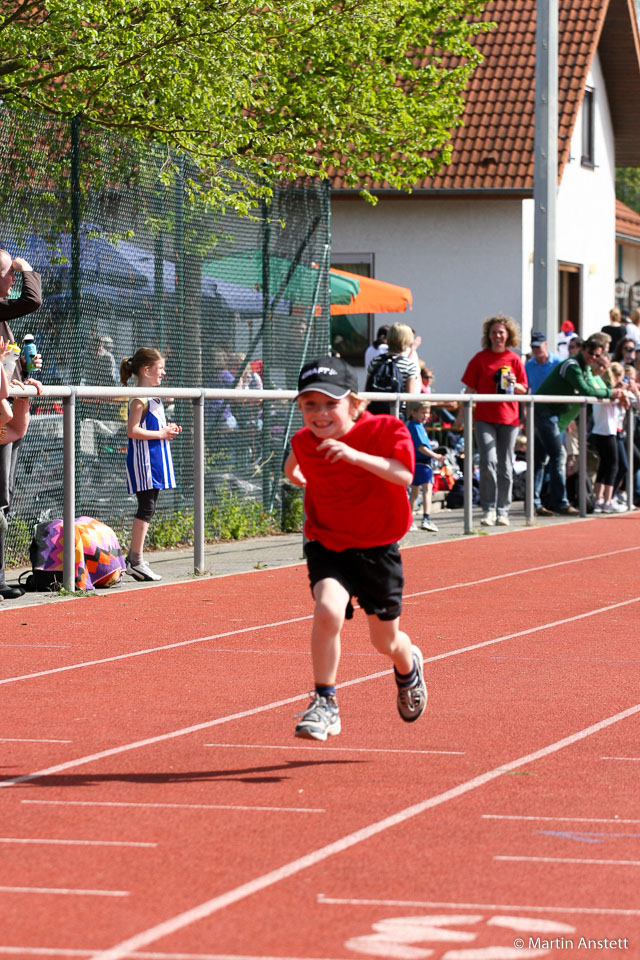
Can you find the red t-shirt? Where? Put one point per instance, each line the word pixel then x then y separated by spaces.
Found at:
pixel 347 506
pixel 482 375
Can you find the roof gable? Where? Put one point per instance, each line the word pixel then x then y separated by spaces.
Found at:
pixel 627 224
pixel 494 149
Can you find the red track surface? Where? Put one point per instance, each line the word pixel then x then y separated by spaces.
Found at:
pixel 155 801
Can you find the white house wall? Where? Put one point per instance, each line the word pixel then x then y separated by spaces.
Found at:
pixel 586 213
pixel 462 260
pixel 465 259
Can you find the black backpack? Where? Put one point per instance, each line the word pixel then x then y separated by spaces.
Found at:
pixel 384 377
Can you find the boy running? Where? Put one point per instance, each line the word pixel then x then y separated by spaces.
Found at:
pixel 355 468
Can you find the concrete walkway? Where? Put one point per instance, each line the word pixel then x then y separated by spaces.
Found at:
pixel 240 556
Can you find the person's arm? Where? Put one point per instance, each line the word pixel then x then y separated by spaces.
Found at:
pixel 6 413
pixel 17 426
pixel 582 383
pixel 293 472
pixel 460 414
pixel 432 453
pixel 136 432
pixel 18 419
pixel 387 468
pixel 413 383
pixel 30 297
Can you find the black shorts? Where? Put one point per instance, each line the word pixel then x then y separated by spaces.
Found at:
pixel 373 575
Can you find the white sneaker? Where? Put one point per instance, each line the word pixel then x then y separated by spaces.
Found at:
pixel 320 720
pixel 598 505
pixel 141 571
pixel 428 525
pixel 488 518
pixel 414 526
pixel 412 699
pixel 613 508
pixel 502 520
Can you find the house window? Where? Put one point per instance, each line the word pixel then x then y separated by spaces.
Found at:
pixel 588 129
pixel 351 332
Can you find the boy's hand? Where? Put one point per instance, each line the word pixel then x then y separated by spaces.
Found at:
pixel 297 477
pixel 335 450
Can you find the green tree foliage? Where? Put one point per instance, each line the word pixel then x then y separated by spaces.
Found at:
pixel 277 88
pixel 628 186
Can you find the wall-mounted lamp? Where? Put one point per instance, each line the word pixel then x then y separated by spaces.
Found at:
pixel 621 289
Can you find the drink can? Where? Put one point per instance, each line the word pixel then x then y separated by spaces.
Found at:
pixel 505 385
pixel 29 352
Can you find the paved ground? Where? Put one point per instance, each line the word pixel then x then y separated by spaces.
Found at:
pixel 176 566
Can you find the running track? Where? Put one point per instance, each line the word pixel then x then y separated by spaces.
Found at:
pixel 155 803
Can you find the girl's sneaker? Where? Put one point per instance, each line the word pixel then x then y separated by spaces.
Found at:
pixel 412 698
pixel 320 720
pixel 598 505
pixel 141 571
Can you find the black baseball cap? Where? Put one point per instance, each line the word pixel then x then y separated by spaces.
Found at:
pixel 329 375
pixel 538 338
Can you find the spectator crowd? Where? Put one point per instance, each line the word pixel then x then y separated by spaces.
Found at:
pixel 605 366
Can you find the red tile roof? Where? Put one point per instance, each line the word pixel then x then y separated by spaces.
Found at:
pixel 627 224
pixel 494 149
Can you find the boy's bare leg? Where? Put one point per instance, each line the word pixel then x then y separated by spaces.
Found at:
pixel 427 491
pixel 413 496
pixel 388 638
pixel 328 618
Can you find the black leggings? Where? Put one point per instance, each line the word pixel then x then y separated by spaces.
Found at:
pixel 606 447
pixel 147 500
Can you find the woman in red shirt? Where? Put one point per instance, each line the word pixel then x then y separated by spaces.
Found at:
pixel 496 369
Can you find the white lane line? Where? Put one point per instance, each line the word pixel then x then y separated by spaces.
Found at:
pixel 628 759
pixel 78 843
pixel 294 867
pixel 518 573
pixel 295 746
pixel 30 740
pixel 174 806
pixel 66 891
pixel 614 863
pixel 513 816
pixel 145 954
pixel 572 659
pixel 161 649
pixel 206 725
pixel 441 904
pixel 58 646
pixel 280 623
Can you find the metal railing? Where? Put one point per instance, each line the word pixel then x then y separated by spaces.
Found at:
pixel 197 396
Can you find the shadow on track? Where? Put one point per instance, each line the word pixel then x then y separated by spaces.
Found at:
pixel 241 775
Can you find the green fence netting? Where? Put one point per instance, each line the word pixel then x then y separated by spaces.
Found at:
pixel 130 255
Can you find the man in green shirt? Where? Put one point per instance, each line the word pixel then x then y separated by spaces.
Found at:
pixel 572 377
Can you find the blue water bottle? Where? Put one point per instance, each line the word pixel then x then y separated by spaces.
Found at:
pixel 29 352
